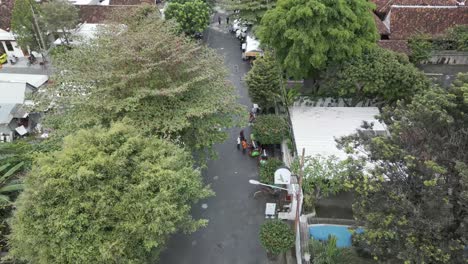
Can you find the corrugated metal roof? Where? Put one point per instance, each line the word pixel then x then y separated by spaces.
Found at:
pixel 315 128
pixel 12 93
pixel 35 80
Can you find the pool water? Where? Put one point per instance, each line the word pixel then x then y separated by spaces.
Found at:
pixel 342 233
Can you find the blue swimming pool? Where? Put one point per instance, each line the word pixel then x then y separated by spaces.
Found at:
pixel 342 233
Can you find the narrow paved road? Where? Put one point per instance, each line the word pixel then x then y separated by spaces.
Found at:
pixel 231 236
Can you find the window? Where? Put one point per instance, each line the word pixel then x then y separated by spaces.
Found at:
pixel 9 46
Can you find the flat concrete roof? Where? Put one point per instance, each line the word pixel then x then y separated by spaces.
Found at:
pixel 12 93
pixel 35 80
pixel 316 128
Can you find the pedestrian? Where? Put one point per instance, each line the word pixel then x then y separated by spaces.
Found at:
pixel 219 20
pixel 251 118
pixel 227 20
pixel 241 135
pixel 238 142
pixel 245 145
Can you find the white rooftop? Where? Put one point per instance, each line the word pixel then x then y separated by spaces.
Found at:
pixel 35 80
pixel 12 93
pixel 83 33
pixel 316 128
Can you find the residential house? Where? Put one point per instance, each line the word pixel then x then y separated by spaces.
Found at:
pixel 398 21
pixel 8 43
pixel 15 120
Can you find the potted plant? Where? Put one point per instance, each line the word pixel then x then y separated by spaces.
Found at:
pixel 276 237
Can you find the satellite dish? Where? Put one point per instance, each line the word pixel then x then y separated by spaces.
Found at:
pixel 283 176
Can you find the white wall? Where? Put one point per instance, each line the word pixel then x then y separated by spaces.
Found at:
pixel 16 49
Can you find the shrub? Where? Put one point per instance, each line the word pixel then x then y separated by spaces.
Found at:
pixel 268 169
pixel 270 129
pixel 276 237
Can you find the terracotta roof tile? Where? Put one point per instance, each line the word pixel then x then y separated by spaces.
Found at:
pixel 6 8
pixel 406 22
pixel 130 2
pixel 381 27
pixel 395 45
pixel 383 6
pixel 96 14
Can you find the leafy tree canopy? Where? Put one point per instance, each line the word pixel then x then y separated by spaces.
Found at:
pixel 109 196
pixel 264 81
pixel 308 35
pixel 192 16
pixel 276 237
pixel 381 75
pixel 270 129
pixel 267 170
pixel 60 15
pixel 249 10
pixel 166 84
pixel 412 198
pixel 24 27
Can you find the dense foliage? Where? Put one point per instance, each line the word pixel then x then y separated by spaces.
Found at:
pixel 417 177
pixel 109 196
pixel 26 29
pixel 421 48
pixel 267 170
pixel 323 176
pixel 328 253
pixel 308 35
pixel 276 237
pixel 60 16
pixel 380 75
pixel 167 85
pixel 264 81
pixel 250 11
pixel 270 129
pixel 191 16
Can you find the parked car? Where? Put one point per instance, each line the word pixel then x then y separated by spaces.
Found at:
pixel 3 58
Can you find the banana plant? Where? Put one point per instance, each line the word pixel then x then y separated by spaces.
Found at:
pixel 7 184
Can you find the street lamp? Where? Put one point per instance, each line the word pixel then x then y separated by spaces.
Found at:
pixel 254 182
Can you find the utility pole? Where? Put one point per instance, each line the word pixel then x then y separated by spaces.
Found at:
pixel 36 25
pixel 299 191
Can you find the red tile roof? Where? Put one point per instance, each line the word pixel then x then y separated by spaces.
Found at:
pixel 395 45
pixel 6 8
pixel 381 27
pixel 96 14
pixel 406 22
pixel 130 2
pixel 383 6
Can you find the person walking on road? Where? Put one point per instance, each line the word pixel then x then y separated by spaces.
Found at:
pixel 219 20
pixel 227 20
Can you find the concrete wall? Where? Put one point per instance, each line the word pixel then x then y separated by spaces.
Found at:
pixel 449 57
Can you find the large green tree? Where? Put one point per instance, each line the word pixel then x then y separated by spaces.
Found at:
pixel 60 16
pixel 308 35
pixel 249 10
pixel 166 84
pixel 27 26
pixel 264 81
pixel 412 185
pixel 270 129
pixel 380 75
pixel 109 196
pixel 192 16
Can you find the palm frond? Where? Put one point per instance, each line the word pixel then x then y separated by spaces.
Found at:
pixel 4 166
pixel 10 172
pixel 4 199
pixel 12 188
